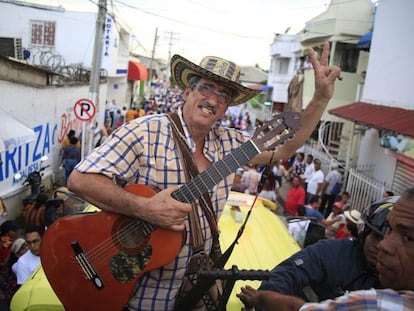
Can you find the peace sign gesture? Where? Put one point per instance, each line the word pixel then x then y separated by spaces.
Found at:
pixel 325 75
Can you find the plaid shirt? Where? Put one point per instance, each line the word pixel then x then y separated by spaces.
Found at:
pixel 143 151
pixel 367 300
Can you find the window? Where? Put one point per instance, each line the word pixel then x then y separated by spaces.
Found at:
pixel 280 65
pixel 43 33
pixel 284 65
pixel 346 57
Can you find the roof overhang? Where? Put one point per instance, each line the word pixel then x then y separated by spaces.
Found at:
pixel 137 71
pixel 316 38
pixel 378 116
pixel 364 42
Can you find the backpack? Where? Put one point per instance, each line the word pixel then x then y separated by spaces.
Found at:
pixel 336 188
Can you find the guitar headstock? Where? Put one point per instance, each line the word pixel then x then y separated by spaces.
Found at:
pixel 275 132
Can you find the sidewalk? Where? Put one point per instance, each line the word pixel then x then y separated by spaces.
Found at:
pixel 281 197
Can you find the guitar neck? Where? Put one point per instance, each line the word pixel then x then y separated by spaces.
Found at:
pixel 205 181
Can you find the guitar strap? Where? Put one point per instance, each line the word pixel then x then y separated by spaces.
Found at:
pixel 205 201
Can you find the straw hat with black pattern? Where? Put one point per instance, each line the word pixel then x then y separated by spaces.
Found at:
pixel 214 68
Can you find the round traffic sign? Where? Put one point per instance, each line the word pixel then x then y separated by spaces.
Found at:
pixel 84 109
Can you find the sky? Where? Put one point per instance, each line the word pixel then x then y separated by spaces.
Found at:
pixel 238 30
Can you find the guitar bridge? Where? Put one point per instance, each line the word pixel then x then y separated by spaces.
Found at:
pixel 86 266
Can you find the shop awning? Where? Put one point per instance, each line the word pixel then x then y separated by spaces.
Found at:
pixel 378 116
pixel 137 71
pixel 364 42
pixel 13 133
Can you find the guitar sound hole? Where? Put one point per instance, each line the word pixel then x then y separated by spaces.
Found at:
pixel 128 235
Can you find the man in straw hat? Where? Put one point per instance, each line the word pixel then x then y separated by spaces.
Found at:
pixel 144 151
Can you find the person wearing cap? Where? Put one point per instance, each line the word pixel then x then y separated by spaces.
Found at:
pixel 337 210
pixel 19 247
pixel 328 268
pixel 143 151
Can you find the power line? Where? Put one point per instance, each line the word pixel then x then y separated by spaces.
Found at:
pixel 190 24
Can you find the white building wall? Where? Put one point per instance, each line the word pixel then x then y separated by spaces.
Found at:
pixel 390 67
pixel 75 31
pixel 50 113
pixel 74 42
pixel 371 152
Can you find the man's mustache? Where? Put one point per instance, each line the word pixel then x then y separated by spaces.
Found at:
pixel 207 105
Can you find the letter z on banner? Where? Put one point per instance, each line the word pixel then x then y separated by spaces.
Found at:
pixel 84 109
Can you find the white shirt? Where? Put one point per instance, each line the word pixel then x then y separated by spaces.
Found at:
pixel 310 168
pixel 25 266
pixel 316 178
pixel 298 229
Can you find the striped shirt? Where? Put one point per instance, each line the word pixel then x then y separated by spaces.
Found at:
pixel 143 151
pixel 367 300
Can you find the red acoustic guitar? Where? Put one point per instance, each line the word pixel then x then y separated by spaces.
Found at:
pixel 93 260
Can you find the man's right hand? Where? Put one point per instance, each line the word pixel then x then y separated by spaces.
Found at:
pixel 164 211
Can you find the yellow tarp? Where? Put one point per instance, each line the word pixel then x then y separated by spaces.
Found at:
pixel 264 243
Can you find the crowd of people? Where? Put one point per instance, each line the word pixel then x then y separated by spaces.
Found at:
pixel 19 257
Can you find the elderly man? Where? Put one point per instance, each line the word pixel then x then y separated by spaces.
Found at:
pixel 394 265
pixel 144 151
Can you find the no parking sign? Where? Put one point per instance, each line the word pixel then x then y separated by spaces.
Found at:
pixel 84 109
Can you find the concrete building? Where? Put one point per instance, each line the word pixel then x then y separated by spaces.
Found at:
pixel 365 127
pixel 45 68
pixel 382 134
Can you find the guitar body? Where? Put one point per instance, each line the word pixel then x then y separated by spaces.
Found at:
pixel 94 260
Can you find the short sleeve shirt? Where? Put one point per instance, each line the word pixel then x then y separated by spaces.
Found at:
pixel 311 212
pixel 143 151
pixel 367 300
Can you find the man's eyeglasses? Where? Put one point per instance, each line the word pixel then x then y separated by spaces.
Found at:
pixel 206 90
pixel 35 241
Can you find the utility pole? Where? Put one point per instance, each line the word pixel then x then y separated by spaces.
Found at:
pixel 167 73
pixel 151 64
pixel 96 70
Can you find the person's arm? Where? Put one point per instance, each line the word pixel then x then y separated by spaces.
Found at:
pixel 302 197
pixel 319 189
pixel 310 266
pixel 327 223
pixel 325 77
pixel 159 209
pixel 269 300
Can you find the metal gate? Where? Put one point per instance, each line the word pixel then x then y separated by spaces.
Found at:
pixel 363 190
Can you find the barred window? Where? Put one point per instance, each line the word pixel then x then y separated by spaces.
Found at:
pixel 43 33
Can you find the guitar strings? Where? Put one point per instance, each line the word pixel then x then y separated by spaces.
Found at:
pixel 108 247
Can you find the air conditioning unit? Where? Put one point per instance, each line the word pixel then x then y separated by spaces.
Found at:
pixel 11 47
